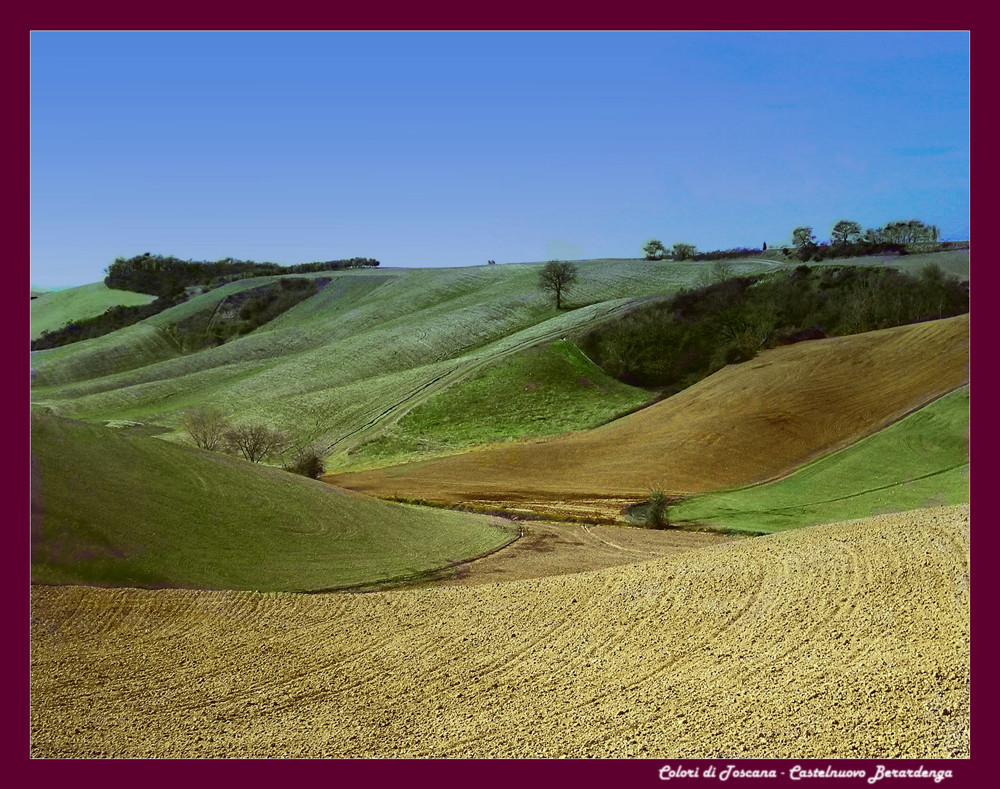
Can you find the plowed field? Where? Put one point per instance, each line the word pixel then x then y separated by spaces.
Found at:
pixel 747 423
pixel 841 640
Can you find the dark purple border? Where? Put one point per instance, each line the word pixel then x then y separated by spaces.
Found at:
pixel 726 15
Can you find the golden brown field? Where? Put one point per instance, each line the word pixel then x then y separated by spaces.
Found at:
pixel 745 424
pixel 848 639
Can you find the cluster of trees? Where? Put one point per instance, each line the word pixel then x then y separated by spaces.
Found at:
pixel 848 239
pixel 655 250
pixel 675 343
pixel 164 275
pixel 209 428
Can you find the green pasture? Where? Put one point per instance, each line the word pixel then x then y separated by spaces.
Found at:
pixel 342 365
pixel 920 461
pixel 117 507
pixel 54 309
pixel 542 391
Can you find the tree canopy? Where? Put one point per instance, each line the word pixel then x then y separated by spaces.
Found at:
pixel 654 249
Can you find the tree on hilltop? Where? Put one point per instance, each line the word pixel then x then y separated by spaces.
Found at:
pixel 845 231
pixel 682 251
pixel 803 237
pixel 557 276
pixel 654 249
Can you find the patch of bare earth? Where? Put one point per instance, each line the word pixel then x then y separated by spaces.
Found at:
pixel 844 640
pixel 546 549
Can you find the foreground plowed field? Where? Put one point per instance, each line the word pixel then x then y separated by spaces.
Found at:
pixel 847 639
pixel 747 423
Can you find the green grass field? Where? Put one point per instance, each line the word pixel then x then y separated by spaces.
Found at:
pixel 54 309
pixel 346 363
pixel 920 461
pixel 118 507
pixel 543 391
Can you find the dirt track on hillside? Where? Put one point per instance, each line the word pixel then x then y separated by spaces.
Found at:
pixel 747 423
pixel 832 641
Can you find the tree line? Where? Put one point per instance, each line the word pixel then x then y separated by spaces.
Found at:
pixel 847 239
pixel 167 276
pixel 672 344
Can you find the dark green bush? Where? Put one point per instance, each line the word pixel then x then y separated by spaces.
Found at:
pixel 306 462
pixel 656 510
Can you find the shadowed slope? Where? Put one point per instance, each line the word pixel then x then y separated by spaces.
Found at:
pixel 747 423
pixel 54 310
pixel 117 508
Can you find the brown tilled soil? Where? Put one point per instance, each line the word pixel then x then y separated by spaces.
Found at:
pixel 842 640
pixel 546 549
pixel 745 424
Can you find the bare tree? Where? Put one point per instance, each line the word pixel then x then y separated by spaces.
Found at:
pixel 803 237
pixel 557 276
pixel 206 425
pixel 255 442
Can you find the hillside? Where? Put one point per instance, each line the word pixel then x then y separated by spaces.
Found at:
pixel 344 366
pixel 349 361
pixel 917 462
pixel 848 640
pixel 745 424
pixel 115 507
pixel 54 309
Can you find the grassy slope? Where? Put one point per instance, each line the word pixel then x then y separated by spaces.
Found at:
pixel 341 365
pixel 55 309
pixel 747 423
pixel 543 391
pixel 954 262
pixel 114 507
pixel 920 461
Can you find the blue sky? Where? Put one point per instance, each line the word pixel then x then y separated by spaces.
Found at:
pixel 449 149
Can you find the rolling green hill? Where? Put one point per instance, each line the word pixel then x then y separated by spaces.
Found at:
pixel 117 507
pixel 54 309
pixel 920 461
pixel 342 365
pixel 543 391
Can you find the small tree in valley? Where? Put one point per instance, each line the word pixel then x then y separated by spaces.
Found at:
pixel 206 425
pixel 254 442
